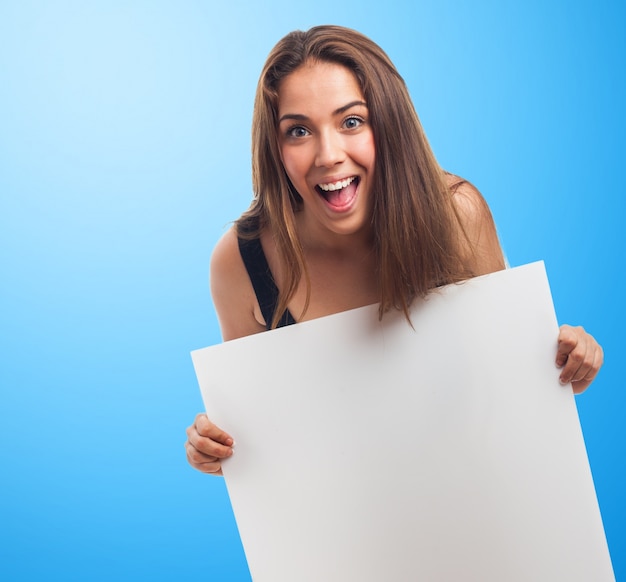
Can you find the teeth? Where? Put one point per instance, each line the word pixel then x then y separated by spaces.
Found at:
pixel 337 185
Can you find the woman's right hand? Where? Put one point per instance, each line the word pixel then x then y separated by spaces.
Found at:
pixel 207 445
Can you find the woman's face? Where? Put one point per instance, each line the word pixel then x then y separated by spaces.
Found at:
pixel 327 146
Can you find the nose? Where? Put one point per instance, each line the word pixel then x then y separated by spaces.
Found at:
pixel 330 150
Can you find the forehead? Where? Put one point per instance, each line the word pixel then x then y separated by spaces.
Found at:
pixel 318 87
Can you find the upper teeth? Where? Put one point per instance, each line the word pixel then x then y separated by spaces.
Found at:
pixel 337 185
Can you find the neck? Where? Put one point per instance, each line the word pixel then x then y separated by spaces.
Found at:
pixel 315 238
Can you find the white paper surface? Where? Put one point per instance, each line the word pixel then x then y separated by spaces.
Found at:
pixel 371 451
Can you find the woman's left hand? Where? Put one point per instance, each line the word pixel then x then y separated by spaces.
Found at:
pixel 580 357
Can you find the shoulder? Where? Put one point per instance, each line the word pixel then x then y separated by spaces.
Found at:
pixel 467 200
pixel 225 258
pixel 231 290
pixel 479 238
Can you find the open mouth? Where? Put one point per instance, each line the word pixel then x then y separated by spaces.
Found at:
pixel 341 193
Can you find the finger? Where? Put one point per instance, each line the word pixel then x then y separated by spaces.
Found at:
pixel 197 457
pixel 587 368
pixel 577 363
pixel 206 428
pixel 567 341
pixel 202 462
pixel 575 353
pixel 584 378
pixel 578 387
pixel 208 446
pixel 584 361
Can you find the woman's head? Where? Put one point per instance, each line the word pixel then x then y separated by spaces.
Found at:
pixel 411 216
pixel 392 116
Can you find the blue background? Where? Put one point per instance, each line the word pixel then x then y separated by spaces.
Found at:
pixel 124 154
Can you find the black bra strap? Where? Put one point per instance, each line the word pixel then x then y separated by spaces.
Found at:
pixel 262 281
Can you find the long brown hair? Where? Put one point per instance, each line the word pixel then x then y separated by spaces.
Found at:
pixel 415 227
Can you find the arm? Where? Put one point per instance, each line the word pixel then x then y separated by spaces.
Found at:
pixel 578 354
pixel 237 309
pixel 233 296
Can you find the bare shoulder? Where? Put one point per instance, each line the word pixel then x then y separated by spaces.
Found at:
pixel 468 201
pixel 225 254
pixel 480 238
pixel 231 290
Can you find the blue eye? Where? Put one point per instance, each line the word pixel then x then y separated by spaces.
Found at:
pixel 353 122
pixel 297 131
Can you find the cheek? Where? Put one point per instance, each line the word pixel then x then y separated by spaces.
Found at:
pixel 294 163
pixel 365 152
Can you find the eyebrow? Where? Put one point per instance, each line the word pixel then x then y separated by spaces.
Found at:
pixel 343 109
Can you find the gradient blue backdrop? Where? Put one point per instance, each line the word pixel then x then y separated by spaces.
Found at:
pixel 124 153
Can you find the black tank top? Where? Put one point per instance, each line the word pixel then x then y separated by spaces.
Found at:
pixel 262 281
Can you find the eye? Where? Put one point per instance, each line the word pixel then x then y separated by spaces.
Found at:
pixel 353 122
pixel 297 131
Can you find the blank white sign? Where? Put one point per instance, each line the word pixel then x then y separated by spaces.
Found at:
pixel 376 451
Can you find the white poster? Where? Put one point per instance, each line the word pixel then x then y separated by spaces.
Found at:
pixel 376 451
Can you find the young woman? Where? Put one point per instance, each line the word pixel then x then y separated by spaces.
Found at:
pixel 350 209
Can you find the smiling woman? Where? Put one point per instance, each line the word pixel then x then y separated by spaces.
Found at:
pixel 330 105
pixel 351 208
